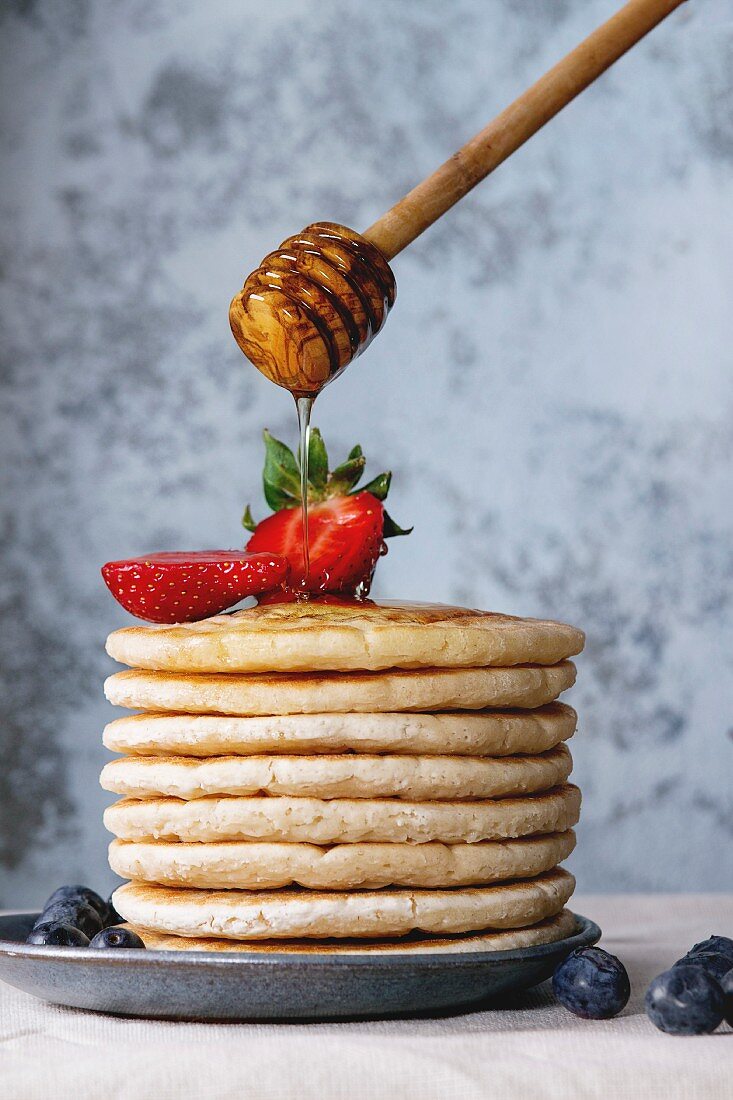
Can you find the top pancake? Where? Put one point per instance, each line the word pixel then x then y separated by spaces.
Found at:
pixel 368 635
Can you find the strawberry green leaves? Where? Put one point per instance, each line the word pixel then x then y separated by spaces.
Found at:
pixel 281 476
pixel 248 521
pixel 344 477
pixel 281 480
pixel 392 529
pixel 378 486
pixel 317 462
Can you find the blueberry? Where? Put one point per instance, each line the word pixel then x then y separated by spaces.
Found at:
pixel 113 917
pixel 726 984
pixel 714 954
pixel 58 934
pixel 591 983
pixel 685 1000
pixel 77 914
pixel 714 945
pixel 80 895
pixel 117 937
pixel 715 964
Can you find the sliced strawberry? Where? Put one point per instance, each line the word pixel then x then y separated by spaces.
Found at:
pixel 346 526
pixel 183 587
pixel 345 542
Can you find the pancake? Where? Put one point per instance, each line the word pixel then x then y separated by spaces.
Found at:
pixel 416 778
pixel 298 913
pixel 525 686
pixel 463 733
pixel 252 866
pixel 347 821
pixel 370 635
pixel 547 931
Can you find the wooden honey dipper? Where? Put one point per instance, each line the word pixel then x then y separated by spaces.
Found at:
pixel 315 303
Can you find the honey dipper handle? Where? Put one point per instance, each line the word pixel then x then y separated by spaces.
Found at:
pixel 519 121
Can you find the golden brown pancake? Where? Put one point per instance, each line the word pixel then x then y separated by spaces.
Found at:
pixel 342 820
pixel 434 689
pixel 416 943
pixel 253 866
pixel 311 914
pixel 461 733
pixel 417 778
pixel 370 635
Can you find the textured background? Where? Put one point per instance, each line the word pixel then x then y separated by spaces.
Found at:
pixel 553 390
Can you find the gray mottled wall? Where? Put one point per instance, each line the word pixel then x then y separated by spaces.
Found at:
pixel 553 390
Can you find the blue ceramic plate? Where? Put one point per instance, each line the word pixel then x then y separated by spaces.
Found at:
pixel 199 985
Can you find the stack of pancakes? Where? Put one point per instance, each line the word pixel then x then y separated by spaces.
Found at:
pixel 347 773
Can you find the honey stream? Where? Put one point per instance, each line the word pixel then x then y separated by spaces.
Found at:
pixel 304 405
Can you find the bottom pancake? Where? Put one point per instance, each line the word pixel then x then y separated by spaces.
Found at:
pixel 298 913
pixel 417 943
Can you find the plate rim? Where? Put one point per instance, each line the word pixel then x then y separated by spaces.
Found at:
pixel 587 934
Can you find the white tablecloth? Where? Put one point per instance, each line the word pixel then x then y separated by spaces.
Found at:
pixel 530 1048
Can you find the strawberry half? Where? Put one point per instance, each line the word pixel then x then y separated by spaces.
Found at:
pixel 184 587
pixel 346 526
